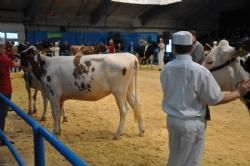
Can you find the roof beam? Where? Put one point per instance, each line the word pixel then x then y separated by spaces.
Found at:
pixel 100 11
pixel 154 12
pixel 105 8
pixel 193 11
pixel 31 9
pixel 206 12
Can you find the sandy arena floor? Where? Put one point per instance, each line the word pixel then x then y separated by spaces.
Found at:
pixel 91 127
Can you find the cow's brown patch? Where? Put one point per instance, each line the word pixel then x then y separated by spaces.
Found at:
pixel 88 86
pixel 88 63
pixel 83 86
pixel 76 60
pixel 81 72
pixel 124 70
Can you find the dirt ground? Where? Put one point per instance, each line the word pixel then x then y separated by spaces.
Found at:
pixel 91 127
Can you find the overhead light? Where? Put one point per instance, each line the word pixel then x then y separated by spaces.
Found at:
pixel 148 2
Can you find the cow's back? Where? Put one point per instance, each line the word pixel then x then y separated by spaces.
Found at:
pixel 89 77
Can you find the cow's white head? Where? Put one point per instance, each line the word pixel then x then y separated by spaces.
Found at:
pixel 219 55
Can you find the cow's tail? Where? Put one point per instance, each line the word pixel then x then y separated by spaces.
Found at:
pixel 137 113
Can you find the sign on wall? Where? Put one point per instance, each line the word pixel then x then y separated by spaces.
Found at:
pixel 54 35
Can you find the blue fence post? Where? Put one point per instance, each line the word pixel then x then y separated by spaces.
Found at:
pixel 16 155
pixel 38 148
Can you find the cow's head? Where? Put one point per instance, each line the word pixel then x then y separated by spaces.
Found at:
pixel 30 57
pixel 26 54
pixel 220 55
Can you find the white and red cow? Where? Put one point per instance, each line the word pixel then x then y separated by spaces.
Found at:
pixel 224 63
pixel 88 78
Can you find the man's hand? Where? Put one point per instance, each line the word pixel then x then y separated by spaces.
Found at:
pixel 244 87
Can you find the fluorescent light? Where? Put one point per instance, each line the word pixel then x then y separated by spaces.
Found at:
pixel 148 2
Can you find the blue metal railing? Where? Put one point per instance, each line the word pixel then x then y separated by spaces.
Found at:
pixel 39 135
pixel 12 149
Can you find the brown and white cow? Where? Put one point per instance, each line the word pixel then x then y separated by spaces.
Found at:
pixel 87 50
pixel 224 63
pixel 88 78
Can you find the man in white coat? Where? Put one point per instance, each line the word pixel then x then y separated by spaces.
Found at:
pixel 161 52
pixel 187 88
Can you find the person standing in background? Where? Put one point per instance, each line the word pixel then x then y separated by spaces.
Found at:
pixel 55 49
pixel 5 83
pixel 161 53
pixel 197 52
pixel 111 47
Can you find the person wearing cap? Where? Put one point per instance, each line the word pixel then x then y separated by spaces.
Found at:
pixel 187 88
pixel 197 52
pixel 161 52
pixel 215 44
pixel 5 82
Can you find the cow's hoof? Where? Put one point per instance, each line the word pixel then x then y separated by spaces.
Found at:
pixel 34 111
pixel 141 134
pixel 65 119
pixel 116 137
pixel 43 118
pixel 56 133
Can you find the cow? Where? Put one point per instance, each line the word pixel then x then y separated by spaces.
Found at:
pixel 87 50
pixel 88 78
pixel 31 82
pixel 146 54
pixel 224 63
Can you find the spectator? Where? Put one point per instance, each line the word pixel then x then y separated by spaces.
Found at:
pixel 161 53
pixel 131 47
pixel 55 49
pixel 5 83
pixel 197 52
pixel 111 47
pixel 215 44
pixel 120 48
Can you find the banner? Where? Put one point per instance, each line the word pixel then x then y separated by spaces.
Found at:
pixel 54 35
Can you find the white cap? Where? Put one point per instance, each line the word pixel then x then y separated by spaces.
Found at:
pixel 2 41
pixel 183 38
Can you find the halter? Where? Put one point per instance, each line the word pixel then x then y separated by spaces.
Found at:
pixel 222 65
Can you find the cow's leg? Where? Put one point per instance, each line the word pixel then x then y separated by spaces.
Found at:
pixel 136 108
pixel 151 59
pixel 65 117
pixel 45 103
pixel 34 104
pixel 121 102
pixel 29 97
pixel 56 114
